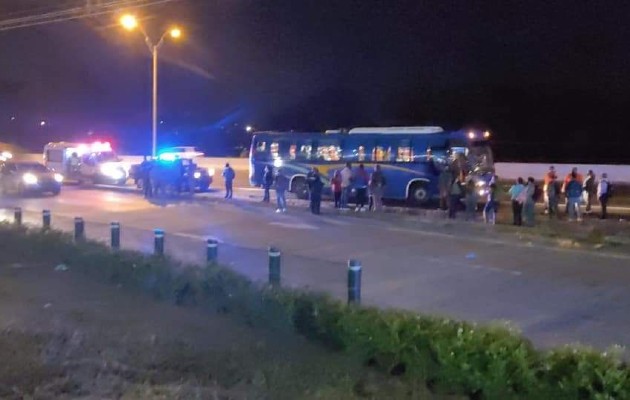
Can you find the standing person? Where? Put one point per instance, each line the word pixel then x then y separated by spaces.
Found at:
pixel 529 202
pixel 346 185
pixel 550 177
pixel 315 186
pixel 471 200
pixel 455 194
pixel 282 185
pixel 574 196
pixel 228 177
pixel 444 185
pixel 603 194
pixel 192 168
pixel 517 204
pixel 490 209
pixel 574 174
pixel 551 197
pixel 377 187
pixel 335 184
pixel 145 175
pixel 361 180
pixel 267 182
pixel 589 188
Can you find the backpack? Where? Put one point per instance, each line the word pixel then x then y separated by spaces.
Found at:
pixel 537 193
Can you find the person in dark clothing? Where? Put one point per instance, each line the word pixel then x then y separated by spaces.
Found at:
pixel 590 190
pixel 361 180
pixel 315 186
pixel 228 177
pixel 267 182
pixel 455 196
pixel 603 194
pixel 145 174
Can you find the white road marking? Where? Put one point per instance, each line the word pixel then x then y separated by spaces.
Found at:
pixel 294 225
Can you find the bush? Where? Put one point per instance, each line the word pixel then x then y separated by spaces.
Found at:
pixel 490 362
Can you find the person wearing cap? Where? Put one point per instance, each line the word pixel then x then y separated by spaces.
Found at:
pixel 603 194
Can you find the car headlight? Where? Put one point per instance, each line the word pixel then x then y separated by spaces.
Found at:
pixel 197 175
pixel 277 163
pixel 58 178
pixel 483 192
pixel 113 171
pixel 480 183
pixel 29 179
pixel 211 171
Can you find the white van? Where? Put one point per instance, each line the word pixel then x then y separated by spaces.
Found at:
pixel 97 162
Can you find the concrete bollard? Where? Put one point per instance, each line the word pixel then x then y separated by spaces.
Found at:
pixel 17 216
pixel 274 266
pixel 158 248
pixel 354 282
pixel 79 229
pixel 115 235
pixel 46 219
pixel 212 250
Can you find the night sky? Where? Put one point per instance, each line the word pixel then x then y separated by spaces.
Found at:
pixel 550 79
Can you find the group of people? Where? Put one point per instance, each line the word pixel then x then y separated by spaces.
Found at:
pixel 156 177
pixel 577 190
pixel 454 186
pixel 368 188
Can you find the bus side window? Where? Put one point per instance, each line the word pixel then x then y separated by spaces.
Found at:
pixel 306 150
pixel 328 150
pixel 381 153
pixel 358 151
pixel 274 150
pixel 405 152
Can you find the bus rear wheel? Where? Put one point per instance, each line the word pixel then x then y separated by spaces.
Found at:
pixel 418 194
pixel 300 188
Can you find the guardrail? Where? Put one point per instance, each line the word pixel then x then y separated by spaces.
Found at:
pixel 616 173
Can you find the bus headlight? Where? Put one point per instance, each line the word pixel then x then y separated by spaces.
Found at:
pixel 211 171
pixel 29 179
pixel 58 178
pixel 197 175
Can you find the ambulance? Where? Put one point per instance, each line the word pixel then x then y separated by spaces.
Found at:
pixel 94 162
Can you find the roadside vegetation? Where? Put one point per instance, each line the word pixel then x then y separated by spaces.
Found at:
pixel 413 356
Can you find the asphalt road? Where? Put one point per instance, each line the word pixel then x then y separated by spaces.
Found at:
pixel 463 270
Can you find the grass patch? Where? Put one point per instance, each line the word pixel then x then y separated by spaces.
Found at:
pixel 481 362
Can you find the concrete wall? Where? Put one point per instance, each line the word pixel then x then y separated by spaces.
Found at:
pixel 616 173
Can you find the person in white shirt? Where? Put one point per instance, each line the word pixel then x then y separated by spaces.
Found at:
pixel 346 185
pixel 603 194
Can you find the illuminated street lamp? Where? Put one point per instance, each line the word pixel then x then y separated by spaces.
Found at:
pixel 249 128
pixel 130 23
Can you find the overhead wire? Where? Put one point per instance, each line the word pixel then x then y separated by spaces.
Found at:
pixel 78 12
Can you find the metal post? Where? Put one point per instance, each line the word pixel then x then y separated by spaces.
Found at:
pixel 115 229
pixel 17 216
pixel 212 250
pixel 155 101
pixel 274 266
pixel 46 219
pixel 354 282
pixel 79 229
pixel 158 242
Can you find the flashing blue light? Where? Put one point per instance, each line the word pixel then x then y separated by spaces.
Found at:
pixel 167 157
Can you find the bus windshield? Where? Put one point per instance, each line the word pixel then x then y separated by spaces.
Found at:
pixel 480 158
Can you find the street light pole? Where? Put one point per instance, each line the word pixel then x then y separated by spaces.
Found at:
pixel 129 22
pixel 154 52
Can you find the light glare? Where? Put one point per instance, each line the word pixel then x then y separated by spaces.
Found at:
pixel 129 22
pixel 176 33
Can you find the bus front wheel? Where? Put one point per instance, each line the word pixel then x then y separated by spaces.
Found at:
pixel 418 194
pixel 300 188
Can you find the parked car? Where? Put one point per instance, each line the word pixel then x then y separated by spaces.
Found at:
pixel 29 177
